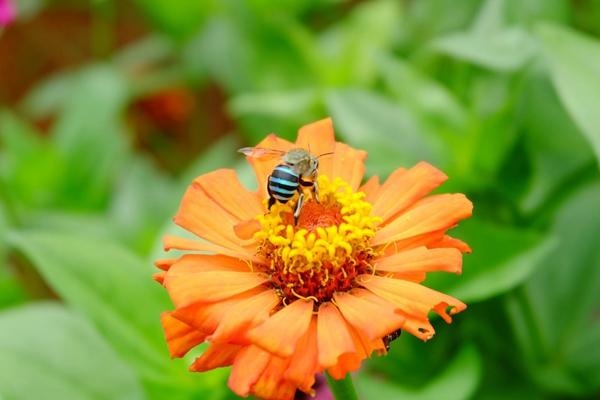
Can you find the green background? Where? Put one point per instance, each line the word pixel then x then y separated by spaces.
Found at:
pixel 108 110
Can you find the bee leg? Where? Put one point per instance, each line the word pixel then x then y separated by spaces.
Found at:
pixel 271 198
pixel 315 188
pixel 298 208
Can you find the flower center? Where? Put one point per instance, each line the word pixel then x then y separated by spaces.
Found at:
pixel 328 247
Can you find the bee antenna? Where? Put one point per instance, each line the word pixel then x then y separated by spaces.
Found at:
pixel 325 154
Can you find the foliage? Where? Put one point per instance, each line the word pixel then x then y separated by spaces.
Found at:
pixel 503 95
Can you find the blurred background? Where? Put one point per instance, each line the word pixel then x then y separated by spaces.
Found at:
pixel 109 108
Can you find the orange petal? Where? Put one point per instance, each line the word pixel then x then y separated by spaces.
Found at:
pixel 264 166
pixel 410 276
pixel 348 164
pixel 449 242
pixel 358 308
pixel 177 243
pixel 245 230
pixel 165 263
pixel 216 356
pixel 318 137
pixel 203 216
pixel 351 362
pixel 204 317
pixel 431 214
pixel 210 286
pixel 243 316
pixel 410 297
pixel 248 366
pixel 404 188
pixel 347 363
pixel 180 337
pixel 225 189
pixel 192 263
pixel 159 277
pixel 421 328
pixel 280 333
pixel 303 364
pixel 334 339
pixel 271 385
pixel 422 259
pixel 370 189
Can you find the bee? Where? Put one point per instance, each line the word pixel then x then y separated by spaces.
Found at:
pixel 298 169
pixel 388 339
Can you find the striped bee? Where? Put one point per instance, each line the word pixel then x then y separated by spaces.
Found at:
pixel 298 169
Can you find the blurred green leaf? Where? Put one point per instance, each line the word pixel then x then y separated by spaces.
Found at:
pixel 489 43
pixel 531 11
pixel 30 169
pixel 505 51
pixel 90 137
pixel 178 18
pixel 425 97
pixel 222 154
pixel 48 96
pixel 222 49
pixel 458 381
pixel 575 69
pixel 48 352
pixel 555 317
pixel 284 104
pixel 503 257
pixel 110 286
pixel 382 128
pixel 557 148
pixel 143 199
pixel 349 48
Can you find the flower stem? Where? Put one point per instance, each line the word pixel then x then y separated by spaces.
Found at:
pixel 342 389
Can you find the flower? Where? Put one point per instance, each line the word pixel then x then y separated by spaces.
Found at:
pixel 282 302
pixel 7 12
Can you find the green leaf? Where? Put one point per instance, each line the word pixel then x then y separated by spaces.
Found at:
pixel 30 168
pixel 221 154
pixel 488 43
pixel 425 97
pixel 458 381
pixel 348 49
pixel 384 129
pixel 575 69
pixel 505 51
pixel 143 199
pixel 90 137
pixel 555 317
pixel 110 286
pixel 48 352
pixel 280 104
pixel 178 18
pixel 503 257
pixel 48 96
pixel 557 148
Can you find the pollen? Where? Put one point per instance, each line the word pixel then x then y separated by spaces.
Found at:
pixel 328 247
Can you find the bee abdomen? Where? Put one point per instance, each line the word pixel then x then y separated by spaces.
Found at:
pixel 283 183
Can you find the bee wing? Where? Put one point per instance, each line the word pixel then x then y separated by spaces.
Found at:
pixel 261 152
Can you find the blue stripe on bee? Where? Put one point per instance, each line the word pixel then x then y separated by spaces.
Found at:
pixel 283 199
pixel 280 190
pixel 285 182
pixel 286 172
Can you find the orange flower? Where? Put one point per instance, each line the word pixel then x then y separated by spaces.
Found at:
pixel 282 302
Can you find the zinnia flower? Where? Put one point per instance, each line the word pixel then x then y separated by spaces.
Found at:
pixel 7 12
pixel 281 302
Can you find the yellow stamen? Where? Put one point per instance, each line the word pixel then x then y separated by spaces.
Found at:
pixel 327 249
